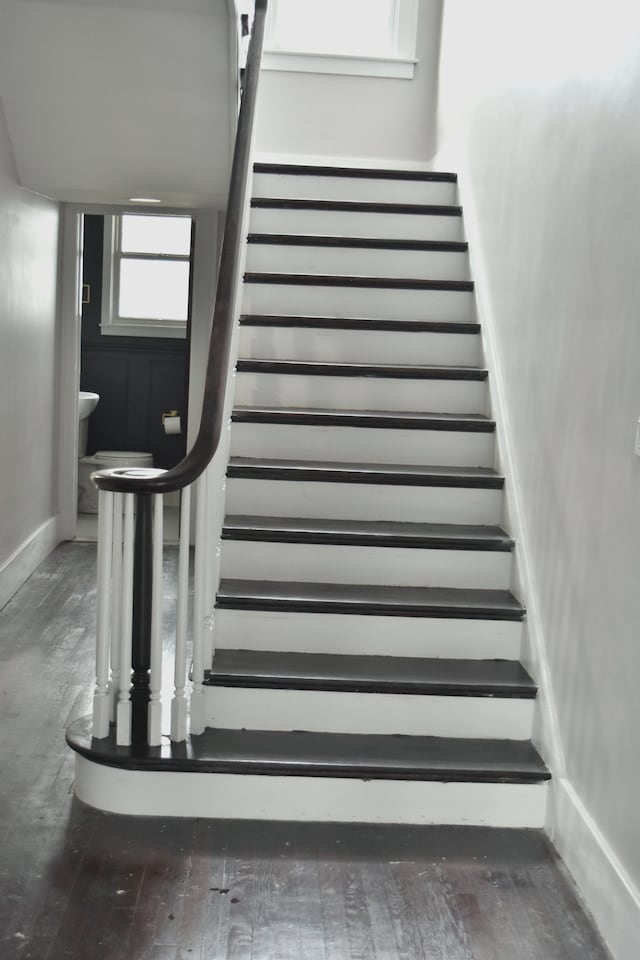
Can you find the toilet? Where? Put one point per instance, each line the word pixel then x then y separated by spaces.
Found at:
pixel 104 460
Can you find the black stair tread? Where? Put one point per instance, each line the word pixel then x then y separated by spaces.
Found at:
pixel 359 323
pixel 440 602
pixel 342 280
pixel 391 419
pixel 364 243
pixel 363 532
pixel 366 173
pixel 367 674
pixel 341 472
pixel 395 371
pixel 358 206
pixel 349 755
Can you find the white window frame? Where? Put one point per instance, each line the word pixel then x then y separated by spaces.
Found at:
pixel 112 324
pixel 399 66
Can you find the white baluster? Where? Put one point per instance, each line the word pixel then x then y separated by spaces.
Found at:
pixel 157 596
pixel 179 702
pixel 101 694
pixel 123 712
pixel 116 599
pixel 209 549
pixel 197 693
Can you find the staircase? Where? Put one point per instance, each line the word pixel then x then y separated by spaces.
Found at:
pixel 367 644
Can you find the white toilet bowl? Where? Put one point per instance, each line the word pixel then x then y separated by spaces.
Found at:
pixel 104 460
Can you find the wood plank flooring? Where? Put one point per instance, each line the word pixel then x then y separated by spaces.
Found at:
pixel 76 884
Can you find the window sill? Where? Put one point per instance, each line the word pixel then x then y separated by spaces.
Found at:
pixel 144 330
pixel 392 67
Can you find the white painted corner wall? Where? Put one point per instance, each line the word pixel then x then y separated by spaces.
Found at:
pixel 29 227
pixel 538 114
pixel 315 117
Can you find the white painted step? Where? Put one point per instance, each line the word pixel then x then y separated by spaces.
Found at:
pixel 340 563
pixel 349 223
pixel 326 711
pixel 343 301
pixel 360 393
pixel 362 501
pixel 359 346
pixel 355 261
pixel 340 633
pixel 362 444
pixel 309 187
pixel 328 799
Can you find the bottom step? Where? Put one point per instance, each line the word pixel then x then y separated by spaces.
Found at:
pixel 317 777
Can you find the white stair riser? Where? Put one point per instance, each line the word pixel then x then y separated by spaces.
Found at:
pixel 310 187
pixel 362 501
pixel 333 563
pixel 339 633
pixel 341 223
pixel 325 711
pixel 323 799
pixel 379 304
pixel 360 393
pixel 363 444
pixel 359 346
pixel 357 262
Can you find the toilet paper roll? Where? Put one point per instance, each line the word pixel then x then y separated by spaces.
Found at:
pixel 172 425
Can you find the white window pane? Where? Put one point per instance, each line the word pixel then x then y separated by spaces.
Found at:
pixel 154 289
pixel 171 235
pixel 356 27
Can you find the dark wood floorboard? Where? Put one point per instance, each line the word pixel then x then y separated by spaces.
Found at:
pixel 77 884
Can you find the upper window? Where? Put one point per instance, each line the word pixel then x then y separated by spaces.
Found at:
pixel 366 37
pixel 147 265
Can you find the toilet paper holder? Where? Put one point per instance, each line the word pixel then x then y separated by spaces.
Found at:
pixel 171 423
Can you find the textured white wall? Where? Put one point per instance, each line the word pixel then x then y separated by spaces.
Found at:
pixel 540 112
pixel 369 118
pixel 28 333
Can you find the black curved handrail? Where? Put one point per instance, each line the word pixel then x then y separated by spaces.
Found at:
pixel 189 469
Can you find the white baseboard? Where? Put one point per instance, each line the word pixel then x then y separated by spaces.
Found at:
pixel 607 889
pixel 23 561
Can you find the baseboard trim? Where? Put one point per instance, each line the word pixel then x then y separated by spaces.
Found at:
pixel 23 561
pixel 607 889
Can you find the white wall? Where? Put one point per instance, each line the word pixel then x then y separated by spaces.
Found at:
pixel 366 118
pixel 540 114
pixel 28 397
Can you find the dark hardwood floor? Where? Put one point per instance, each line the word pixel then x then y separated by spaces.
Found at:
pixel 81 885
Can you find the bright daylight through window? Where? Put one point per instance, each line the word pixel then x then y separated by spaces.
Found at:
pixel 371 37
pixel 147 262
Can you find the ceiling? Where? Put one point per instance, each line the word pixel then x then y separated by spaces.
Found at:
pixel 111 99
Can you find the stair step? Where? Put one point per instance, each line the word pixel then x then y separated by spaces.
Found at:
pixel 390 371
pixel 367 600
pixel 373 419
pixel 340 340
pixel 393 474
pixel 356 218
pixel 357 206
pixel 436 536
pixel 366 674
pixel 358 173
pixel 362 324
pixel 267 775
pixel 358 243
pixel 337 633
pixel 354 256
pixel 373 283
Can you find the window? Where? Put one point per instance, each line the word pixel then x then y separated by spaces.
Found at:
pixel 147 266
pixel 366 37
